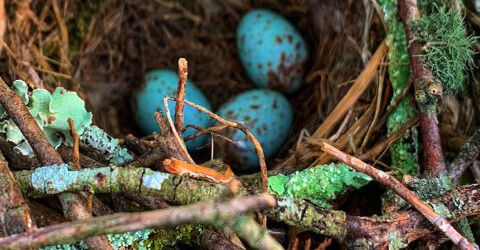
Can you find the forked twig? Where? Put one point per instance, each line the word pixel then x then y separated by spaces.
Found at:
pixel 236 125
pixel 391 182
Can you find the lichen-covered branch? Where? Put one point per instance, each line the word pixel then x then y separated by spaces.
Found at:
pixel 203 213
pixel 391 182
pixel 14 211
pixel 427 90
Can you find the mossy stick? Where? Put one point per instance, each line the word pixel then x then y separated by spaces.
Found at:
pixel 391 182
pixel 202 213
pixel 427 91
pixel 14 211
pixel 73 206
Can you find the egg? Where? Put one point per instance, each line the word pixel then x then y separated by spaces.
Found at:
pixel 267 114
pixel 271 50
pixel 159 84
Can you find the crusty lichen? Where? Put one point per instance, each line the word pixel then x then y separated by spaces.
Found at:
pixel 319 185
pixel 99 140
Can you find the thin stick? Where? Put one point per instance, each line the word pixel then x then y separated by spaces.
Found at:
pixel 75 149
pixel 391 182
pixel 205 213
pixel 467 155
pixel 182 82
pixel 236 125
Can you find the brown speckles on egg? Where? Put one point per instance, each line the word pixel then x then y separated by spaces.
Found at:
pixel 275 104
pixel 290 38
pixel 254 106
pixel 260 66
pixel 278 39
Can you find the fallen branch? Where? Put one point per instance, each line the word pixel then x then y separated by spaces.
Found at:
pixel 391 182
pixel 203 213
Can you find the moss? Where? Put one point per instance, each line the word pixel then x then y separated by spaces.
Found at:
pixel 403 154
pixel 319 184
pixel 448 49
pixel 168 237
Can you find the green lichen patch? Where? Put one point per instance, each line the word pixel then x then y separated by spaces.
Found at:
pixel 319 185
pixel 166 238
pixel 53 179
pixel 51 112
pixel 429 188
pixel 448 49
pixel 98 139
pixel 395 242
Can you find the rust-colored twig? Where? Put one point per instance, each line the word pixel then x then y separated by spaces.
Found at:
pixel 427 90
pixel 391 182
pixel 14 211
pixel 182 82
pixel 251 137
pixel 205 212
pixel 73 206
pixel 76 144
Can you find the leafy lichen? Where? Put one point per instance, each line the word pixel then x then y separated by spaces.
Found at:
pixel 51 112
pixel 448 49
pixel 319 185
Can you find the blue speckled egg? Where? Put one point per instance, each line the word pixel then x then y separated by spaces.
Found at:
pixel 267 114
pixel 159 84
pixel 272 51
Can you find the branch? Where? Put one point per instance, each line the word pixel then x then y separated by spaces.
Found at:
pixel 467 155
pixel 203 213
pixel 72 205
pixel 14 211
pixel 427 90
pixel 182 82
pixel 391 182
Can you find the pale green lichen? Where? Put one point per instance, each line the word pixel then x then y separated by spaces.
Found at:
pixel 402 151
pixel 53 179
pixel 428 188
pixel 130 240
pixel 319 185
pixel 98 139
pixel 51 112
pixel 395 242
pixel 448 49
pixel 154 179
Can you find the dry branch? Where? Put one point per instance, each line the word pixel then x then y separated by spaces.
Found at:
pixel 182 82
pixel 391 182
pixel 203 213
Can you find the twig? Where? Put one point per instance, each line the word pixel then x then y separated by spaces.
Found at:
pixel 467 155
pixel 16 109
pixel 202 213
pixel 237 125
pixel 427 90
pixel 76 147
pixel 342 127
pixel 388 180
pixel 182 82
pixel 14 211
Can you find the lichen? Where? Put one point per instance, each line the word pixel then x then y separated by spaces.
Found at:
pixel 448 49
pixel 395 242
pixel 403 153
pixel 53 179
pixel 428 188
pixel 51 112
pixel 319 185
pixel 130 240
pixel 98 139
pixel 154 179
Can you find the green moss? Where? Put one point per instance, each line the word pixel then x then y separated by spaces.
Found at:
pixel 403 154
pixel 448 49
pixel 319 184
pixel 168 237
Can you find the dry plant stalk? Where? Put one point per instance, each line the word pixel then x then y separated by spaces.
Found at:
pixel 182 82
pixel 76 144
pixel 395 185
